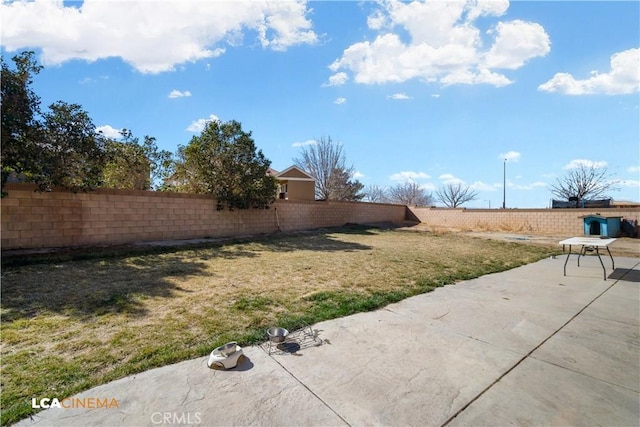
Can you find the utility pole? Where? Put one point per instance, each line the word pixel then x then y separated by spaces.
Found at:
pixel 504 184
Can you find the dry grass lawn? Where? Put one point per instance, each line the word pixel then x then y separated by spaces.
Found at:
pixel 69 324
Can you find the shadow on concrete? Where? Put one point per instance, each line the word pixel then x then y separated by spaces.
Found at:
pixel 626 275
pixel 244 364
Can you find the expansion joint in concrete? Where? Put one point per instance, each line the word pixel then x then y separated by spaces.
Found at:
pixel 310 391
pixel 534 349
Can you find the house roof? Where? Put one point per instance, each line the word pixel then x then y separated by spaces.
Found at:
pixel 294 173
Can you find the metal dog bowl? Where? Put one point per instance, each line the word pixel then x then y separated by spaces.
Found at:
pixel 227 349
pixel 277 334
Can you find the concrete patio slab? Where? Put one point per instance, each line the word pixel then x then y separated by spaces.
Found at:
pixel 597 348
pixel 257 392
pixel 537 393
pixel 619 303
pixel 383 368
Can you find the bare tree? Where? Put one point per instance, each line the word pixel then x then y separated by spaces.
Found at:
pixel 455 194
pixel 584 182
pixel 410 194
pixel 375 194
pixel 326 162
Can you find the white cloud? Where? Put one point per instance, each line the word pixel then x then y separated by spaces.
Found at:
pixel 526 187
pixel 337 79
pixel 517 42
pixel 399 96
pixel 448 178
pixel 428 186
pixel 633 169
pixel 628 183
pixel 305 143
pixel 284 23
pixel 376 21
pixel 358 175
pixel 573 164
pixel 199 125
pixel 481 186
pixel 109 132
pixel 177 94
pixel 409 176
pixel 487 8
pixel 151 36
pixel 87 80
pixel 444 44
pixel 623 78
pixel 510 156
pixel 340 100
pixel 469 78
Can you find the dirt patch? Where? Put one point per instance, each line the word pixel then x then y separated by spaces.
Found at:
pixel 623 246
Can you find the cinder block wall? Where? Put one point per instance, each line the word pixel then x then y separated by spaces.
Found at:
pixel 561 222
pixel 103 217
pixel 61 218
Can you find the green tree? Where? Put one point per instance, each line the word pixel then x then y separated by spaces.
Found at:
pixel 326 162
pixel 343 187
pixel 60 147
pixel 223 161
pixel 20 113
pixel 70 152
pixel 134 165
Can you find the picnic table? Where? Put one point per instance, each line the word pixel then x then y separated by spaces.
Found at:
pixel 588 244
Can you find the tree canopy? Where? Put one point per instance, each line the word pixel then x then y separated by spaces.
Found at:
pixel 20 110
pixel 410 194
pixel 223 161
pixel 584 182
pixel 57 147
pixel 326 162
pixel 375 194
pixel 71 153
pixel 134 165
pixel 455 194
pixel 61 146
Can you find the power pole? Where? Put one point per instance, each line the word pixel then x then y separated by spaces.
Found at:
pixel 504 184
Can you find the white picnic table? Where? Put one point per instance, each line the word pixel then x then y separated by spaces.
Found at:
pixel 588 244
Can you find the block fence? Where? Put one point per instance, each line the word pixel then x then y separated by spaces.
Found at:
pixel 105 217
pixel 560 222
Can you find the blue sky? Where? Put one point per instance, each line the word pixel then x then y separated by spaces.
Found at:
pixel 430 92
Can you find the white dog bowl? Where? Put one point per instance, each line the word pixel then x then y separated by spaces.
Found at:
pixel 225 357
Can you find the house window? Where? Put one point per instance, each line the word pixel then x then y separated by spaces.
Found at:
pixel 282 192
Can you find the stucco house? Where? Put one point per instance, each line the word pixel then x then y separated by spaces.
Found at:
pixel 294 184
